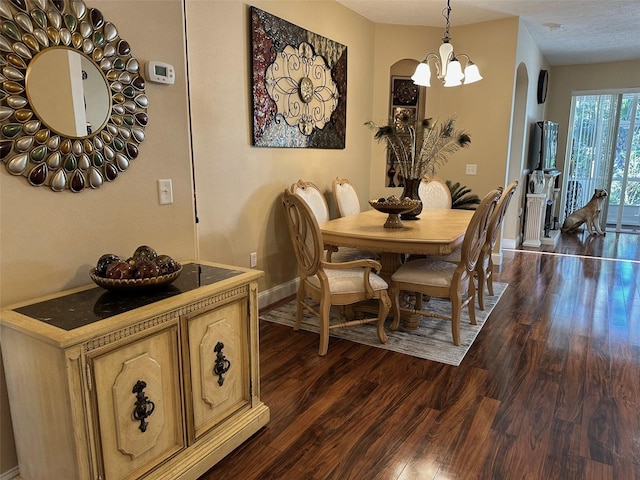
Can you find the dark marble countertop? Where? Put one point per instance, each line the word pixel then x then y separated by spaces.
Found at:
pixel 85 307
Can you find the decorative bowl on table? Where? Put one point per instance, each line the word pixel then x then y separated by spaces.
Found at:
pixel 394 206
pixel 144 270
pixel 132 284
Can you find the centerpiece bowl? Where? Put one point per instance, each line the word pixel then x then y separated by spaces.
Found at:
pixel 393 206
pixel 134 284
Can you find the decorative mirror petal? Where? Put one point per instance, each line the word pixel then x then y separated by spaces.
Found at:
pixel 54 161
pixel 42 136
pixel 109 154
pixel 122 162
pixel 5 113
pixel 66 36
pixel 124 133
pixel 5 46
pixel 31 127
pixel 38 175
pixel 54 35
pixel 79 8
pixel 31 42
pixel 77 40
pixel 65 146
pixel 97 20
pixel 24 144
pixel 12 87
pixel 95 178
pixel 55 19
pixel 59 181
pixel 11 30
pixel 18 164
pixel 133 66
pixel 87 46
pixel 4 11
pixel 125 77
pixel 24 21
pixel 97 55
pixel 59 4
pixel 71 22
pixel 77 182
pixel 16 101
pixel 21 4
pixel 85 29
pixel 110 172
pixel 113 130
pixel 39 17
pixel 13 73
pixel 53 143
pixel 77 148
pixel 16 61
pixel 22 50
pixel 110 31
pixel 83 162
pixel 109 50
pixel 41 4
pixel 23 115
pixel 39 153
pixel 41 36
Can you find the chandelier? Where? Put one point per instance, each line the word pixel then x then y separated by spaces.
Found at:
pixel 447 64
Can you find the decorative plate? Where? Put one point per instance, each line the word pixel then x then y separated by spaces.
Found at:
pixel 132 284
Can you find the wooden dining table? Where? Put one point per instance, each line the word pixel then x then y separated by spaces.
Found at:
pixel 435 232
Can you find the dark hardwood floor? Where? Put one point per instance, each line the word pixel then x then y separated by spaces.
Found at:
pixel 550 389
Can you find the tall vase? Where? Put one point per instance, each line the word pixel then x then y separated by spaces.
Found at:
pixel 411 190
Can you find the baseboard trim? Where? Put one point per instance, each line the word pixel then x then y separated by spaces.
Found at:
pixel 13 474
pixel 275 294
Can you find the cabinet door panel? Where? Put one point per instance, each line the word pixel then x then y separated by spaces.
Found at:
pixel 219 364
pixel 137 393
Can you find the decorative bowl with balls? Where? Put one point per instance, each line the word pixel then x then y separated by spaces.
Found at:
pixel 145 269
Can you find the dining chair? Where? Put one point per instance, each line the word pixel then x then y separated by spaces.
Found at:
pixel 442 279
pixel 330 283
pixel 345 196
pixel 434 193
pixel 484 267
pixel 314 198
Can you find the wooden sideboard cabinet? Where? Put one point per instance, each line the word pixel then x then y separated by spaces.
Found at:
pixel 148 384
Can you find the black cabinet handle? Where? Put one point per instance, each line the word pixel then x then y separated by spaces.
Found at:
pixel 143 407
pixel 222 365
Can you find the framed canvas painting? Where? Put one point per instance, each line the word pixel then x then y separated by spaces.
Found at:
pixel 299 85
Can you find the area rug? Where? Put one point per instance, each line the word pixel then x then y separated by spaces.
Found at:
pixel 430 341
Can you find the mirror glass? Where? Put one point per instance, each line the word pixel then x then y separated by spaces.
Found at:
pixel 68 92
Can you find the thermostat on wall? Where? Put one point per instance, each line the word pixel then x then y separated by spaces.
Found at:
pixel 160 72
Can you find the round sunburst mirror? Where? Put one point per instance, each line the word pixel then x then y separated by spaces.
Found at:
pixel 73 104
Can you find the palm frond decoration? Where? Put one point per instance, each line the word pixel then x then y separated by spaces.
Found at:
pixel 422 146
pixel 461 196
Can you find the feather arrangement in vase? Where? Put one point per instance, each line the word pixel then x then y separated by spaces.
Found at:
pixel 420 147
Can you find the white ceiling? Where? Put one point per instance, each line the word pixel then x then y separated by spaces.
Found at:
pixel 568 32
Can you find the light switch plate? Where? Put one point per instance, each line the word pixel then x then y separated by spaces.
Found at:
pixel 165 192
pixel 471 169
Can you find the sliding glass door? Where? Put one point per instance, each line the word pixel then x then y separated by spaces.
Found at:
pixel 604 136
pixel 624 203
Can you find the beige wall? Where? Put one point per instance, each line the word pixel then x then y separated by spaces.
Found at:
pixel 569 80
pixel 238 186
pixel 49 240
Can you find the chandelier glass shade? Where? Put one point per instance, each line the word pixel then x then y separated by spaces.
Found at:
pixel 447 63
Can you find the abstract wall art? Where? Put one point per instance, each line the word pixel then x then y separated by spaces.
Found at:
pixel 299 85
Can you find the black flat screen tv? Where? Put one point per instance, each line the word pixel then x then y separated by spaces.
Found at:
pixel 543 146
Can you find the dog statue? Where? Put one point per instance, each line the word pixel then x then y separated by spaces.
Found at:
pixel 589 214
